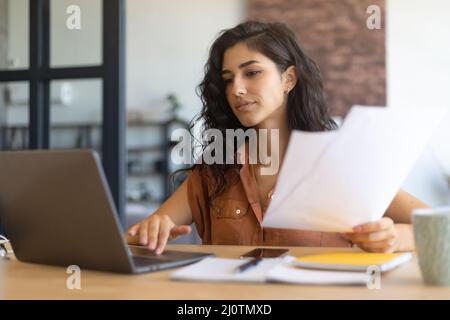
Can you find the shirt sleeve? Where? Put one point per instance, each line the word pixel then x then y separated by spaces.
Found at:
pixel 198 202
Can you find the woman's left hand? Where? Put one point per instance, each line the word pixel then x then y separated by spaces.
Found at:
pixel 377 236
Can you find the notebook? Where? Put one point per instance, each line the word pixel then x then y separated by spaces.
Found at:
pixel 352 261
pixel 269 270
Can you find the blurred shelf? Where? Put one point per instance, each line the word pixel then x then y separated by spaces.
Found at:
pixel 145 174
pixel 145 202
pixel 141 149
pixel 152 148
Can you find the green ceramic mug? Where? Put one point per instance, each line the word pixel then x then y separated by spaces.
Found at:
pixel 432 238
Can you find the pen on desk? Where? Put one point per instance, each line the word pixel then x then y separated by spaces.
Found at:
pixel 248 264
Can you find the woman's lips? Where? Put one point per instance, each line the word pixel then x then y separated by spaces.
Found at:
pixel 245 107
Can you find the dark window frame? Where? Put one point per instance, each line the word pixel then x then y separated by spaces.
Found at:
pixel 111 72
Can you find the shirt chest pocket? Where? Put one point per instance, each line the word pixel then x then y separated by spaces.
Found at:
pixel 229 219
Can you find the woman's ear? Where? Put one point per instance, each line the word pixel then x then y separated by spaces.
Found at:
pixel 289 78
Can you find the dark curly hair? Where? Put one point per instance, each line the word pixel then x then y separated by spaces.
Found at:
pixel 307 106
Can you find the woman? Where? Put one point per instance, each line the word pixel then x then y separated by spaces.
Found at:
pixel 257 76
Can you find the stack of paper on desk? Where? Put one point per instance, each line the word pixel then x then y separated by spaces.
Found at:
pixel 269 270
pixel 332 181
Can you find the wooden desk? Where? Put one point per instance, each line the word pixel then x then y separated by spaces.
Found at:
pixel 30 281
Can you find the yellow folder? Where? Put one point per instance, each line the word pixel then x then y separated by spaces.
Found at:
pixel 352 261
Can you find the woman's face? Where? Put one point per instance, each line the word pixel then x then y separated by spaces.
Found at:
pixel 255 90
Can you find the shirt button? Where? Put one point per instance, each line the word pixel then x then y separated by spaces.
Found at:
pixel 238 211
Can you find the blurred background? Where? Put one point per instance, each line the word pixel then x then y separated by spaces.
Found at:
pixel 402 63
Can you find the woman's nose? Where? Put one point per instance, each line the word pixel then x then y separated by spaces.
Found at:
pixel 238 88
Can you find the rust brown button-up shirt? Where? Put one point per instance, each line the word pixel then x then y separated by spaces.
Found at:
pixel 235 217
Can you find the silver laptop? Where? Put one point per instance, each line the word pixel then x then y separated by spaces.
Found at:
pixel 56 208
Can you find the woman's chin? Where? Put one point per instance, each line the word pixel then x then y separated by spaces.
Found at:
pixel 248 122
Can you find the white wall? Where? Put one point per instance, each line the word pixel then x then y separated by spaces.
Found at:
pixel 418 74
pixel 167 46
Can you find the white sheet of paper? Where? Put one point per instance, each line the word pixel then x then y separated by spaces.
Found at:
pixel 290 274
pixel 354 179
pixel 308 148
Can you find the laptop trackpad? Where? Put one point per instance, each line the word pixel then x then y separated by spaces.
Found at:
pixel 167 255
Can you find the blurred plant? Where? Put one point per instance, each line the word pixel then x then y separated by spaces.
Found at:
pixel 174 104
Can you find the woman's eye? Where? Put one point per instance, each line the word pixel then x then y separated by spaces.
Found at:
pixel 253 73
pixel 247 74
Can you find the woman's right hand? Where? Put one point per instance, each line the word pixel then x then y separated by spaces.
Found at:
pixel 154 232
